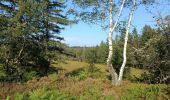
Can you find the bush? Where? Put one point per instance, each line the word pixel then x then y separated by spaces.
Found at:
pixel 83 73
pixel 2 73
pixel 28 75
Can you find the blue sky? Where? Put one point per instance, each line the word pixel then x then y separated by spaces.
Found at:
pixel 83 34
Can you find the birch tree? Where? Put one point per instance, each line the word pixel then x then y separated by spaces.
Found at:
pixel 95 14
pixel 94 11
pixel 110 43
pixel 116 79
pixel 125 43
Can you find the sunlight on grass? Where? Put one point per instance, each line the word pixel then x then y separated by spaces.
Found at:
pixel 70 65
pixel 136 72
pixel 73 65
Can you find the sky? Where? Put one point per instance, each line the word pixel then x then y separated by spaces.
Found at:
pixel 83 34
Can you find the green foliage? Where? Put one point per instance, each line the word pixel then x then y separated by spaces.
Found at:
pixel 90 11
pixel 154 54
pixel 2 72
pixel 7 98
pixel 110 97
pixel 102 52
pixel 43 94
pixel 29 35
pixel 153 92
pixel 94 93
pixel 90 88
pixel 28 75
pixel 19 96
pixel 89 54
pixel 80 75
pixel 117 58
pixel 83 73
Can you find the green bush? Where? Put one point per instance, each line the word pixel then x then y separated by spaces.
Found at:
pixel 90 71
pixel 3 74
pixel 28 75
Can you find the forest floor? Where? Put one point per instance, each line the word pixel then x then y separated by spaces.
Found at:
pixel 72 81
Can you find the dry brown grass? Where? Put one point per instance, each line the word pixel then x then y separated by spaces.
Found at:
pixel 10 89
pixel 69 86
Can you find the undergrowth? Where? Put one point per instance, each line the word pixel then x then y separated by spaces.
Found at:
pixel 83 84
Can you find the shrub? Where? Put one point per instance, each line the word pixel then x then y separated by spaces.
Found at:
pixel 90 71
pixel 28 75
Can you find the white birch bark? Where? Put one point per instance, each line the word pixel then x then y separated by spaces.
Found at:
pixel 111 29
pixel 125 43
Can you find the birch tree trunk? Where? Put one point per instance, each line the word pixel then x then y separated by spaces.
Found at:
pixel 125 43
pixel 112 71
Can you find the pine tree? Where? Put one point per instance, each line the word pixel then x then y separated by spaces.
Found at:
pixel 102 52
pixel 30 33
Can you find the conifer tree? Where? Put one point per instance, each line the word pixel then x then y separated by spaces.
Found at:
pixel 29 33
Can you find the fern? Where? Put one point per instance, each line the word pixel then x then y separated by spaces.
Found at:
pixel 153 92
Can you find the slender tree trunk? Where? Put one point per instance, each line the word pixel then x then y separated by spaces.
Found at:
pixel 111 29
pixel 109 61
pixel 125 43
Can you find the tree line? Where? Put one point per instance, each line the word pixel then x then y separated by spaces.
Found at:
pixel 106 13
pixel 148 50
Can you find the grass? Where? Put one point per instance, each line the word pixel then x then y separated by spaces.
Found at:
pixel 136 72
pixel 69 66
pixel 89 88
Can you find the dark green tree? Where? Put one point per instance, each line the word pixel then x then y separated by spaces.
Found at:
pixel 102 52
pixel 29 34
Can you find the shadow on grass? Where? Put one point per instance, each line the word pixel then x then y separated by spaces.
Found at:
pixel 87 70
pixel 75 72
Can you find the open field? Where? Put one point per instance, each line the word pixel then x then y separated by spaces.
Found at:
pixel 69 66
pixel 73 65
